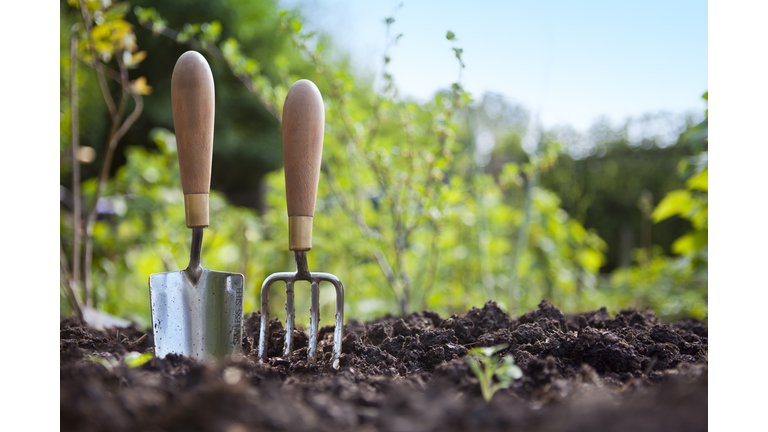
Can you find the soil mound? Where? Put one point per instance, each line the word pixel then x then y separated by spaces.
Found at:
pixel 580 372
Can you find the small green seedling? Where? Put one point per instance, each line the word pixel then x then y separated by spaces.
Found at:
pixel 486 365
pixel 132 360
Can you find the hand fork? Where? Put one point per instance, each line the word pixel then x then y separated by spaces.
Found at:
pixel 303 128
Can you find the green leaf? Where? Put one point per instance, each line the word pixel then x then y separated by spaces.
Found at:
pixel 591 259
pixel 109 363
pixel 515 372
pixel 698 181
pixel 450 35
pixel 690 242
pixel 118 10
pixel 475 366
pixel 458 52
pixel 487 351
pixel 700 216
pixel 510 369
pixel 677 202
pixel 134 359
pixel 212 30
pixel 164 139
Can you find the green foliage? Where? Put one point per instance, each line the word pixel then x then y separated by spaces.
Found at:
pixel 602 191
pixel 486 366
pixel 672 287
pixel 689 203
pixel 676 287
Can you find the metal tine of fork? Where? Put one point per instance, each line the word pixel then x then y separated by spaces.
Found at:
pixel 314 320
pixel 290 318
pixel 264 326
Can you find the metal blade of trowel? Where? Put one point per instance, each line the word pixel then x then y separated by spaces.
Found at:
pixel 198 321
pixel 196 312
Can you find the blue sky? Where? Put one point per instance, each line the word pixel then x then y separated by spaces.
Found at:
pixel 573 62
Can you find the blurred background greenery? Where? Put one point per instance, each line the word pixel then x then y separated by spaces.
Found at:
pixel 440 205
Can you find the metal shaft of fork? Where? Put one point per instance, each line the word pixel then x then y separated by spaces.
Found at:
pixel 195 269
pixel 302 273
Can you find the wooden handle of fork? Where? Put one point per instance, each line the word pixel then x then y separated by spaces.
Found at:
pixel 303 128
pixel 192 100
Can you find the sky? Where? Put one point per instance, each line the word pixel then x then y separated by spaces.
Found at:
pixel 569 62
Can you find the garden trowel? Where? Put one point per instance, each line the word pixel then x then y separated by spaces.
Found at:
pixel 196 312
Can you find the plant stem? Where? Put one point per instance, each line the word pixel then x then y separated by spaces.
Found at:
pixel 432 272
pixel 69 289
pixel 116 133
pixel 76 199
pixel 115 138
pixel 522 239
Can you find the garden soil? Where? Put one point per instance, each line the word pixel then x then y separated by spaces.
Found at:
pixel 586 372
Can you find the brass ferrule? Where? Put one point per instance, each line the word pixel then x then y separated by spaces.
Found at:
pixel 299 233
pixel 196 210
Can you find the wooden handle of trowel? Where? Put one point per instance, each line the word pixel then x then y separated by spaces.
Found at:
pixel 192 99
pixel 303 128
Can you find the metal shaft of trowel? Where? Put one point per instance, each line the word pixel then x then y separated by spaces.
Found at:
pixel 195 269
pixel 302 273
